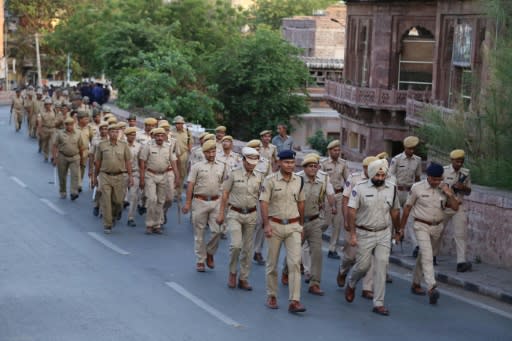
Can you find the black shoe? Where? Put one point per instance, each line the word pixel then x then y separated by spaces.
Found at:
pixel 126 204
pixel 435 261
pixel 79 189
pixel 333 255
pixel 119 215
pixel 433 296
pixel 415 252
pixel 141 210
pixel 165 220
pixel 131 223
pixel 73 197
pixel 96 211
pixel 463 267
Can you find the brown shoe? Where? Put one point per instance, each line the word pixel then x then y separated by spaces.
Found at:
pixel 368 294
pixel 284 278
pixel 417 290
pixel 296 307
pixel 433 296
pixel 200 267
pixel 381 310
pixel 272 302
pixel 315 290
pixel 244 285
pixel 209 261
pixel 340 279
pixel 232 280
pixel 350 293
pixel 258 258
pixel 149 230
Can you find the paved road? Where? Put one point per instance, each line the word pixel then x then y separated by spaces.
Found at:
pixel 62 279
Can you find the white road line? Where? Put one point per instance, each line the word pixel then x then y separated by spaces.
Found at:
pixel 461 298
pixel 202 304
pixel 108 244
pixel 18 181
pixel 52 206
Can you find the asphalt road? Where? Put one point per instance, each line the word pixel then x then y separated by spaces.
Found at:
pixel 61 278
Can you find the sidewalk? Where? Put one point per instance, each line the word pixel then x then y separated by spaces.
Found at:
pixel 484 279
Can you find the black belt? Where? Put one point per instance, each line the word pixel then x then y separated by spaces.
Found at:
pixel 114 173
pixel 243 210
pixel 285 221
pixel 371 230
pixel 431 223
pixel 311 218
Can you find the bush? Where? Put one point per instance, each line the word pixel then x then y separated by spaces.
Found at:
pixel 319 142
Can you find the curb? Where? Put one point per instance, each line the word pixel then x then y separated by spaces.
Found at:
pixel 443 277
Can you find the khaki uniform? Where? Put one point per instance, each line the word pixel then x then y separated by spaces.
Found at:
pixel 373 221
pixel 349 252
pixel 269 152
pixel 405 170
pixel 338 173
pixel 18 109
pixel 156 179
pixel 196 155
pixel 87 134
pixel 282 197
pixel 38 109
pixel 48 121
pixel 264 165
pixel 207 179
pixel 241 219
pixel 134 191
pixel 142 137
pixel 112 158
pixel 428 204
pixel 183 139
pixel 232 160
pixel 29 109
pixel 171 175
pixel 458 218
pixel 92 152
pixel 68 146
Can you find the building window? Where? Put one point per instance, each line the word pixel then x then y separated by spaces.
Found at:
pixel 344 136
pixel 416 60
pixel 362 144
pixel 353 140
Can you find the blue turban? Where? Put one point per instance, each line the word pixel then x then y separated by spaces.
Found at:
pixel 286 155
pixel 435 170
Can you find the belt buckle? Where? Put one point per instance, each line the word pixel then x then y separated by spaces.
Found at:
pixel 245 210
pixel 285 222
pixel 306 220
pixel 209 198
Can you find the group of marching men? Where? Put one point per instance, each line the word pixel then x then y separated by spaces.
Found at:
pixel 257 195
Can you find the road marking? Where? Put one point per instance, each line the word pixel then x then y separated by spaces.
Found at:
pixel 52 206
pixel 202 304
pixel 461 298
pixel 18 181
pixel 108 244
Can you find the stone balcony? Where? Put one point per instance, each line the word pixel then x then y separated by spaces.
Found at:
pixel 416 111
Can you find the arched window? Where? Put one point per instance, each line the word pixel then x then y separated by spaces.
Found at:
pixel 416 59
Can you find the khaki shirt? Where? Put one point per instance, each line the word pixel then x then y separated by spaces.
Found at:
pixel 232 160
pixel 264 166
pixel 113 157
pixel 69 144
pixel 352 181
pixel 338 172
pixel 48 119
pixel 87 133
pixel 405 169
pixel 183 139
pixel 243 188
pixel 157 158
pixel 208 177
pixel 95 143
pixel 18 105
pixel 427 203
pixel 451 177
pixel 142 137
pixel 373 204
pixel 135 148
pixel 282 196
pixel 314 193
pixel 218 147
pixel 269 152
pixel 29 105
pixel 196 155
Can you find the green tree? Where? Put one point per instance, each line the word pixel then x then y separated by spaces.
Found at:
pixel 319 141
pixel 272 12
pixel 261 82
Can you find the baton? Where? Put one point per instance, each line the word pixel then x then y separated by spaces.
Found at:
pixel 94 193
pixel 55 176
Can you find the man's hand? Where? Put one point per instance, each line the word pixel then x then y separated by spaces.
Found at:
pixel 399 236
pixel 141 183
pixel 186 208
pixel 353 239
pixel 94 181
pixel 267 229
pixel 220 218
pixel 446 189
pixel 130 181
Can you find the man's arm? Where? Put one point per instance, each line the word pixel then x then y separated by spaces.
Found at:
pixel 344 210
pixel 403 221
pixel 188 200
pixel 352 225
pixel 395 218
pixel 267 228
pixel 300 206
pixel 222 208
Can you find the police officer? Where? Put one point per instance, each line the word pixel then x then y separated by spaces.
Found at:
pixel 132 121
pixel 144 136
pixel 184 145
pixel 19 109
pixel 241 191
pixel 220 132
pixel 372 203
pixel 112 163
pixel 134 191
pixel 427 201
pixel 197 155
pixel 282 211
pixel 268 150
pixel 30 109
pixel 102 136
pixel 406 168
pixel 156 161
pixel 337 169
pixel 67 154
pixel 459 179
pixel 46 128
pixel 87 133
pixel 227 155
pixel 204 186
pixel 349 251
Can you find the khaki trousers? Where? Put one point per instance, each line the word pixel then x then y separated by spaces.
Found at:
pixel 113 188
pixel 290 235
pixel 182 164
pixel 32 124
pixel 241 229
pixel 459 221
pixel 259 235
pixel 313 237
pixel 429 240
pixel 133 195
pixel 169 197
pixel 82 166
pixel 377 244
pixel 18 119
pixel 349 259
pixel 409 231
pixel 63 164
pixel 156 187
pixel 45 137
pixel 335 221
pixel 204 213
